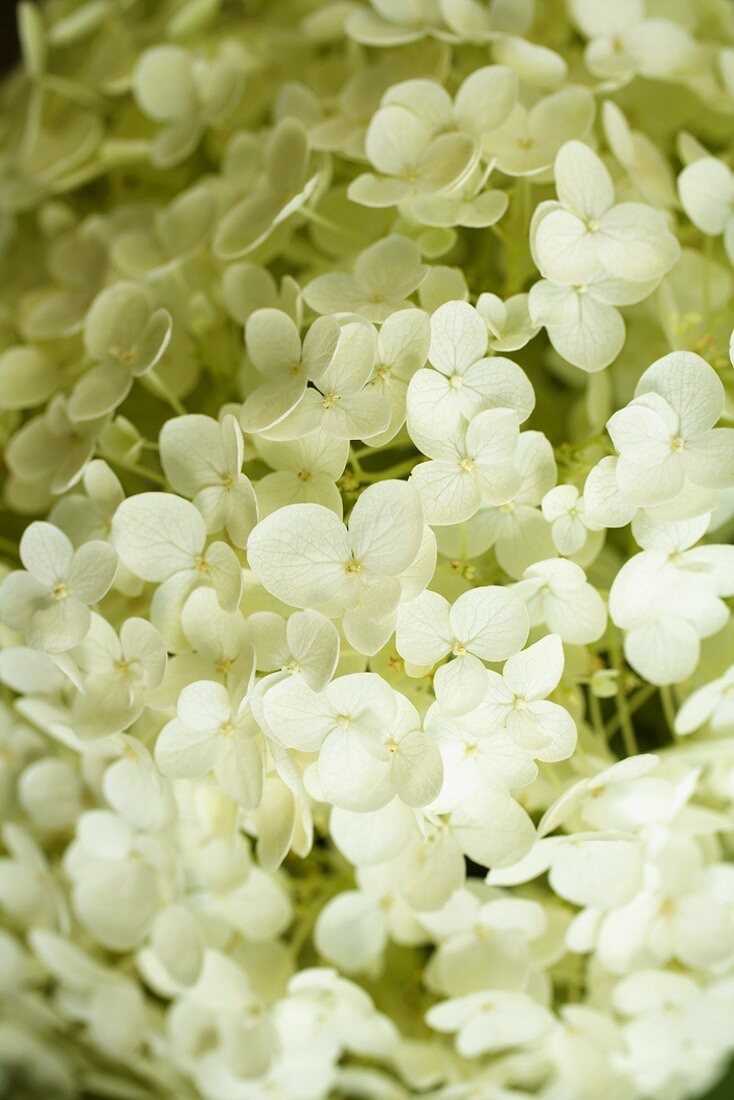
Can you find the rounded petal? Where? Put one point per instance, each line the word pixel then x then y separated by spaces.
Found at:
pixel 157 534
pixel 300 554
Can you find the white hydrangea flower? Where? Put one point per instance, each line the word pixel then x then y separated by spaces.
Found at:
pixel 126 337
pixel 602 872
pixel 669 597
pixel 89 517
pixel 472 205
pixel 162 538
pixel 483 624
pixel 529 140
pixel 646 166
pixel 485 939
pixel 475 463
pixel 665 1013
pixel 111 1007
pixel 51 450
pixel 482 103
pixel 118 877
pixel 202 460
pixel 586 233
pixel 465 381
pixel 339 403
pixel 625 40
pixel 410 151
pixel 119 674
pixel 287 175
pixel 383 278
pixel 368 739
pixel 712 705
pixel 559 596
pixel 402 349
pixel 665 436
pixel 135 788
pixel 517 530
pixel 509 323
pixel 563 507
pixel 306 472
pixel 265 709
pixel 582 320
pixel 213 732
pixel 393 22
pixel 186 94
pixel 491 1020
pixel 275 348
pixel 516 701
pixel 49 600
pixel 304 555
pixel 306 643
pixel 706 189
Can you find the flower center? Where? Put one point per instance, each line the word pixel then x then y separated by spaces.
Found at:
pixel 60 591
pixel 126 356
pixel 329 400
pixel 677 444
pixel 353 567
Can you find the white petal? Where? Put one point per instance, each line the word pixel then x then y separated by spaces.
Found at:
pixel 490 622
pixel 157 534
pixel 536 671
pixel 386 527
pixel 423 633
pixel 300 554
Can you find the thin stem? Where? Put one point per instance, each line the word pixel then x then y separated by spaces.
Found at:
pixel 669 708
pixel 326 223
pixel 140 471
pixel 163 391
pixel 633 704
pixel 391 471
pixel 623 711
pixel 355 463
pixel 597 721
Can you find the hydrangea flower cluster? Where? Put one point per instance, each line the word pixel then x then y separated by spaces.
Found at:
pixel 366 670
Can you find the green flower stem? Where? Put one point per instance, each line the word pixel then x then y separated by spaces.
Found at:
pixel 333 227
pixel 392 471
pixel 669 707
pixel 140 471
pixel 597 721
pixel 623 711
pixel 633 704
pixel 160 387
